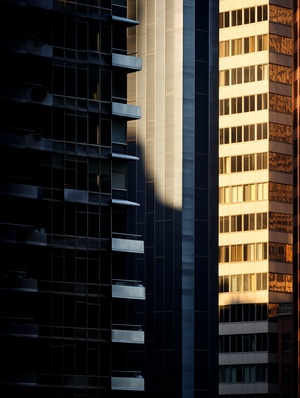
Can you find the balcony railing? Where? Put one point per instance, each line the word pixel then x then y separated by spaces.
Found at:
pixel 127 243
pixel 126 61
pixel 123 380
pixel 128 289
pixel 132 334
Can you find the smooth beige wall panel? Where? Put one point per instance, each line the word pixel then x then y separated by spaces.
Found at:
pixel 158 90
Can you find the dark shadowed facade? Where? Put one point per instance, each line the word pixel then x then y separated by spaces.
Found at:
pixel 67 298
pixel 109 196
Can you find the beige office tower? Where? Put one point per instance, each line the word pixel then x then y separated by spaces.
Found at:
pixel 255 210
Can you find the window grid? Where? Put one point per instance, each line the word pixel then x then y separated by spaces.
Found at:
pixel 246 45
pixel 249 103
pixel 243 312
pixel 250 373
pixel 243 16
pixel 232 135
pixel 248 193
pixel 251 342
pixel 243 75
pixel 243 283
pixel 242 163
pixel 243 222
pixel 249 252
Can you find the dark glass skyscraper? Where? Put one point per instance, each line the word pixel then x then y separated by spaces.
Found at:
pixel 109 195
pixel 67 296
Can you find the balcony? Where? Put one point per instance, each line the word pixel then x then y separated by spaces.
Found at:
pixel 20 190
pixel 24 330
pixel 18 281
pixel 21 233
pixel 128 289
pixel 126 61
pixel 130 112
pixel 127 245
pixel 122 19
pixel 129 381
pixel 124 202
pixel 132 334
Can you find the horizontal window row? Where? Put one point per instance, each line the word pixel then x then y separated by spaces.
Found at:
pixel 252 282
pixel 80 82
pixel 248 103
pixel 243 193
pixel 246 45
pixel 254 342
pixel 243 222
pixel 239 163
pixel 243 252
pixel 243 282
pixel 256 221
pixel 245 133
pixel 243 16
pixel 83 173
pixel 255 14
pixel 242 75
pixel 253 73
pixel 250 373
pixel 255 252
pixel 255 161
pixel 231 135
pixel 243 312
pixel 257 191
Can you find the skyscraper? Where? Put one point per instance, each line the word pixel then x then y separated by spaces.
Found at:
pixel 109 198
pixel 255 211
pixel 296 247
pixel 68 293
pixel 176 140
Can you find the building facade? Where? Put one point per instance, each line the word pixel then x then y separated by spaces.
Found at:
pixel 68 237
pixel 256 198
pixel 296 223
pixel 176 139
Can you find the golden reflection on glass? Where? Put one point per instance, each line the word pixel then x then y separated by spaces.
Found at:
pixel 281 44
pixel 280 132
pixel 280 15
pixel 280 192
pixel 280 103
pixel 273 310
pixel 280 222
pixel 280 252
pixel 280 162
pixel 280 74
pixel 280 283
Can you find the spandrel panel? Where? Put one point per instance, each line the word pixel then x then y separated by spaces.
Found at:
pixel 280 74
pixel 280 192
pixel 280 252
pixel 280 132
pixel 280 162
pixel 280 44
pixel 280 222
pixel 280 103
pixel 280 15
pixel 280 283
